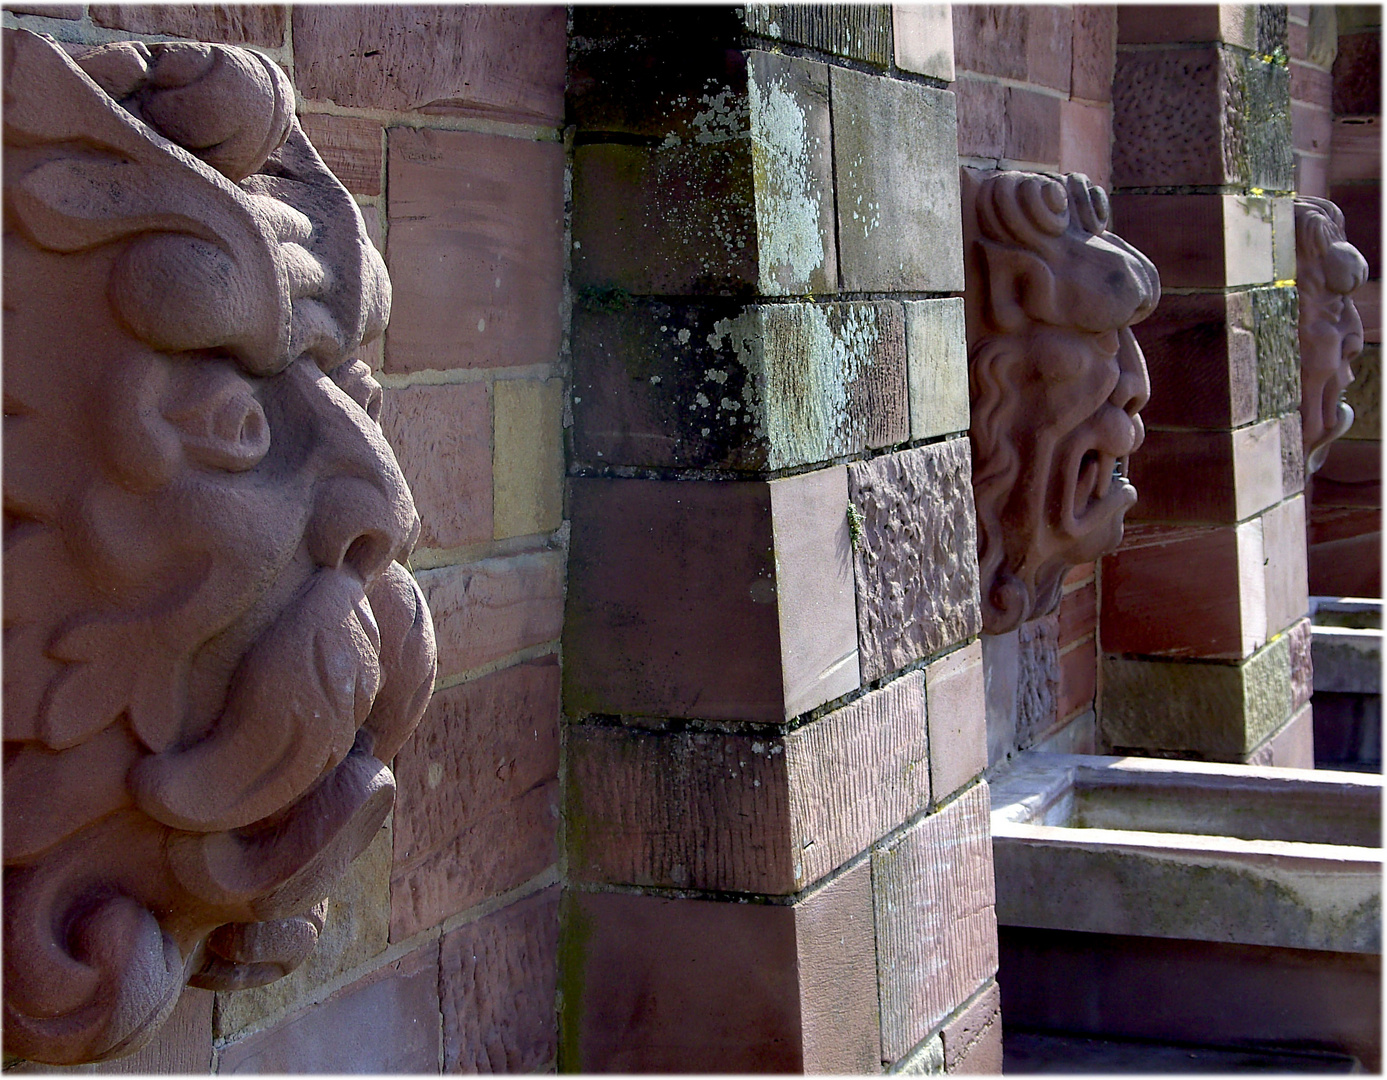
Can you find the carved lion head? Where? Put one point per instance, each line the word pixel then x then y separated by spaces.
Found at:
pixel 211 647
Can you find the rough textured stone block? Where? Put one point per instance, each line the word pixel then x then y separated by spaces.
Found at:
pixel 527 457
pixel 1207 476
pixel 1170 122
pixel 487 610
pixel 745 813
pixel 935 918
pixel 1293 747
pixel 1292 456
pixel 1094 48
pixel 982 110
pixel 350 146
pixel 1031 132
pixel 1275 318
pixel 49 11
pixel 1037 678
pixel 991 39
pixel 973 1038
pixel 442 436
pixel 898 200
pixel 836 942
pixel 477 807
pixel 1302 663
pixel 861 31
pixel 1284 563
pixel 497 982
pixel 1197 591
pixel 504 63
pixel 385 1022
pixel 957 719
pixel 234 24
pixel 916 562
pixel 1086 141
pixel 924 39
pixel 937 367
pixel 721 600
pixel 1207 711
pixel 673 985
pixel 1200 241
pixel 475 249
pixel 1202 358
pixel 357 928
pixel 927 1059
pixel 718 385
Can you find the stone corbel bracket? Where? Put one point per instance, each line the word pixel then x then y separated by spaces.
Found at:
pixel 1056 381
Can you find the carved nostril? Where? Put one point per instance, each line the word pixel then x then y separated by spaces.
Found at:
pixel 368 555
pixel 356 526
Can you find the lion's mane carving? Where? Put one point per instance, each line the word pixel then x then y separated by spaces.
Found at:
pixel 1056 380
pixel 211 647
pixel 1328 270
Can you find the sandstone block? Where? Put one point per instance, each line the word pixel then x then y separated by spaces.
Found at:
pixel 1216 477
pixel 1094 49
pixel 1358 74
pixel 927 1059
pixel 720 385
pixel 527 457
pixel 1357 149
pixel 1085 140
pixel 497 983
pixel 1200 241
pixel 1362 207
pixel 1078 683
pixel 1284 563
pixel 924 39
pixel 50 11
pixel 475 249
pixel 1302 664
pixel 182 1045
pixel 1031 132
pixel 476 811
pixel 1207 711
pixel 1365 396
pixel 385 1022
pixel 982 110
pixel 745 813
pixel 1202 356
pixel 1000 664
pixel 1275 318
pixel 991 39
pixel 1078 613
pixel 1188 142
pixel 1049 45
pixel 861 31
pixel 233 24
pixel 1293 747
pixel 935 918
pixel 1311 83
pixel 957 719
pixel 722 600
pixel 937 365
pixel 1311 175
pixel 973 1037
pixel 351 147
pixel 915 596
pixel 495 62
pixel 898 199
pixel 1155 24
pixel 442 436
pixel 1312 128
pixel 1037 678
pixel 1192 591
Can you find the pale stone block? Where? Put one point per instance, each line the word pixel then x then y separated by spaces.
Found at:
pixel 1283 238
pixel 1000 664
pixel 1347 660
pixel 936 366
pixel 1248 240
pixel 1252 585
pixel 1284 558
pixel 973 1036
pixel 1256 468
pixel 527 457
pixel 957 719
pixel 925 39
pixel 1079 736
pixel 927 1059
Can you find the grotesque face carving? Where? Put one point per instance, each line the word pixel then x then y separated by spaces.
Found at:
pixel 1328 270
pixel 1056 380
pixel 211 647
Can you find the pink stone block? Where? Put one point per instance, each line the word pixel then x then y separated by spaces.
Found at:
pixel 1086 141
pixel 1094 49
pixel 1032 129
pixel 234 24
pixel 475 250
pixel 1049 45
pixel 981 118
pixel 973 1037
pixel 957 719
pixel 350 147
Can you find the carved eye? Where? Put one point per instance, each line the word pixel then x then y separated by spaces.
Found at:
pixel 354 379
pixel 217 417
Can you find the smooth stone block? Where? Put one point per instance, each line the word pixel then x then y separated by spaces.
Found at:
pixel 1200 241
pixel 1219 477
pixel 527 457
pixel 924 39
pixel 233 24
pixel 1201 354
pixel 937 367
pixel 954 688
pixel 351 147
pixel 1284 563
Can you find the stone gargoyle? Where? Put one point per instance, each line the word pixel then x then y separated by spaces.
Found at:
pixel 1056 381
pixel 212 648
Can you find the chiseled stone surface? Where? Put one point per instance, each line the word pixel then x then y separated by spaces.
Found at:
pixel 350 146
pixel 861 31
pixel 1094 52
pixel 836 942
pixel 385 1022
pixel 497 983
pixel 1275 315
pixel 527 457
pixel 486 610
pixel 235 24
pixel 954 689
pixel 973 1038
pixel 924 39
pixel 937 366
pixel 182 1045
pixel 1302 663
pixel 475 249
pixel 503 63
pixel 927 1059
pixel 899 224
pixel 916 561
pixel 1037 678
pixel 935 919
pixel 1293 747
pixel 477 808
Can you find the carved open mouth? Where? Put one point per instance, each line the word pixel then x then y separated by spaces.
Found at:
pixel 1099 491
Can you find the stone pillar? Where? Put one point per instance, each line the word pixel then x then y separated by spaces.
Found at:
pixel 777 834
pixel 1202 623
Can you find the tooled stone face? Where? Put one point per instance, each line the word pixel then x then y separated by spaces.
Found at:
pixel 211 647
pixel 1056 380
pixel 1328 270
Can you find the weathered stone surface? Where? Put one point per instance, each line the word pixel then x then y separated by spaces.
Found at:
pixel 1312 128
pixel 182 1045
pixel 1031 131
pixel 1078 613
pixel 1357 149
pixel 936 927
pixel 1274 319
pixel 527 457
pixel 487 610
pixel 1037 678
pixel 1200 241
pixel 1030 43
pixel 442 436
pixel 475 249
pixel 477 809
pixel 924 39
pixel 1078 679
pixel 1201 354
pixel 1347 660
pixel 351 147
pixel 927 1059
pixel 897 198
pixel 861 31
pixel 744 813
pixel 1364 395
pixel 1284 563
pixel 937 367
pixel 1292 456
pixel 496 62
pixel 957 719
pixel 235 24
pixel 385 1022
pixel 973 1038
pixel 916 562
pixel 497 981
pixel 836 942
pixel 1094 49
pixel 50 11
pixel 1262 128
pixel 673 985
pixel 981 117
pixel 1049 45
pixel 1000 666
pixel 1208 476
pixel 1207 711
pixel 1293 747
pixel 357 928
pixel 1144 24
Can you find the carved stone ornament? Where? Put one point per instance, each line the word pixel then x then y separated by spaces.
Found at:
pixel 211 647
pixel 1328 270
pixel 1056 380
